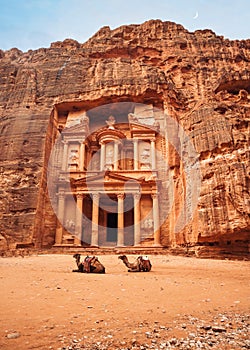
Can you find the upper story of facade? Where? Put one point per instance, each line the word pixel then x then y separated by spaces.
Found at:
pixel 123 138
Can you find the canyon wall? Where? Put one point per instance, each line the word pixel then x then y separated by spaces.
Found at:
pixel 201 80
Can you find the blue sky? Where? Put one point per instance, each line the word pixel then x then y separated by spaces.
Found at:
pixel 30 24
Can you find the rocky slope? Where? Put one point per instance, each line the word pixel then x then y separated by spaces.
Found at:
pixel 202 80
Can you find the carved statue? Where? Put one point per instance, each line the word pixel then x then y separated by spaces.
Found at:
pixel 145 159
pixel 145 154
pixel 156 125
pixel 84 121
pixel 110 122
pixel 70 225
pixel 74 158
pixel 109 159
pixel 130 164
pixel 148 223
pixel 132 118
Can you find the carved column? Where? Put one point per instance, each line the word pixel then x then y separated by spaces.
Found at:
pixel 153 156
pixel 120 237
pixel 60 216
pixel 82 156
pixel 95 214
pixel 102 160
pixel 65 156
pixel 137 217
pixel 78 231
pixel 136 154
pixel 116 154
pixel 156 217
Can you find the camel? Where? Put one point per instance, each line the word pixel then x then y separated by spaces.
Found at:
pixel 141 264
pixel 91 264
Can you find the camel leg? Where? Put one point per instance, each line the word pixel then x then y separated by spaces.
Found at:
pixel 92 269
pixel 134 270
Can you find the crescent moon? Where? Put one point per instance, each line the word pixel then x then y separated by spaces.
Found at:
pixel 196 15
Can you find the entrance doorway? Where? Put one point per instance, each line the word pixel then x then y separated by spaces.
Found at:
pixel 112 220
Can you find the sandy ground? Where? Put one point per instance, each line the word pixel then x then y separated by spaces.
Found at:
pixel 43 305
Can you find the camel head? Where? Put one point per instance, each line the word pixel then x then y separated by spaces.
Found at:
pixel 122 257
pixel 78 263
pixel 77 256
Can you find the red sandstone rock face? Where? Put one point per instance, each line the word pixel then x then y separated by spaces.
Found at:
pixel 200 79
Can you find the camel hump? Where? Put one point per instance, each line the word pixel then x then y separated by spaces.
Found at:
pixel 145 264
pixel 89 258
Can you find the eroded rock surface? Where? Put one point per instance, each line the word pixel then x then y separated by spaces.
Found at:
pixel 200 79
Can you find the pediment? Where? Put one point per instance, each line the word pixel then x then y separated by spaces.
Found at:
pixel 80 128
pixel 141 130
pixel 111 177
pixel 98 178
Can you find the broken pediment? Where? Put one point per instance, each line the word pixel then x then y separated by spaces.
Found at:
pixel 80 126
pixel 143 131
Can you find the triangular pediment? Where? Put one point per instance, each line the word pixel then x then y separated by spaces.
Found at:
pixel 79 128
pixel 110 177
pixel 140 129
pixel 89 178
pixel 119 177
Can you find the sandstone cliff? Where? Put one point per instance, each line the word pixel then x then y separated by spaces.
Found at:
pixel 202 80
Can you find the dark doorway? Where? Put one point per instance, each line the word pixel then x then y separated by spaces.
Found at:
pixel 111 227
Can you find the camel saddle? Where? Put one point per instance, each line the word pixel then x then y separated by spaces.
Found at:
pixel 87 263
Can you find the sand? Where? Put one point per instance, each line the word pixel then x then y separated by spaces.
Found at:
pixel 44 305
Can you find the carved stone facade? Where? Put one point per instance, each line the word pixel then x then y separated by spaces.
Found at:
pixel 112 199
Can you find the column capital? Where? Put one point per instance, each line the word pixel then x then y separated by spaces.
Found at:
pixel 154 195
pixel 79 195
pixel 137 195
pixel 96 196
pixel 120 195
pixel 61 194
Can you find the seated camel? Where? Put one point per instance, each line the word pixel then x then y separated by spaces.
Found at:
pixel 91 264
pixel 141 264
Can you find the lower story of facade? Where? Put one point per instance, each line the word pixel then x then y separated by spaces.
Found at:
pixel 108 219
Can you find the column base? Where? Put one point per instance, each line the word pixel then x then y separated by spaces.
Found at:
pixel 77 242
pixel 157 245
